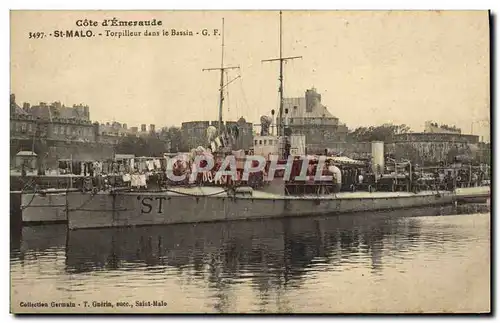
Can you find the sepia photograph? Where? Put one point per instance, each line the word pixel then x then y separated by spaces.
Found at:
pixel 250 161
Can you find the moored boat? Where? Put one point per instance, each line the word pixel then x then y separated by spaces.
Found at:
pixel 206 204
pixel 480 194
pixel 46 207
pixel 236 201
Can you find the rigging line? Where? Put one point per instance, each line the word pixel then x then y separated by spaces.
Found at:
pixel 235 101
pixel 243 94
pixel 31 201
pixel 238 106
pixel 236 109
pixel 227 93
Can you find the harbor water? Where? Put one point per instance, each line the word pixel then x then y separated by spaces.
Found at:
pixel 425 260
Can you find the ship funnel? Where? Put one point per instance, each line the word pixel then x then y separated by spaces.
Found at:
pixel 378 160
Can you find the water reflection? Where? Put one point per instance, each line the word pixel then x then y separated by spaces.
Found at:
pixel 37 241
pixel 275 252
pixel 272 256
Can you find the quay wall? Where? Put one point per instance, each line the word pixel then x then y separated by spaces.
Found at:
pixel 79 151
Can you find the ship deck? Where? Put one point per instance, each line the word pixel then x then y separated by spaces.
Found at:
pixel 257 194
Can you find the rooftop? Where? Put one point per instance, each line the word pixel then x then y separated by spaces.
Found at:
pixel 308 106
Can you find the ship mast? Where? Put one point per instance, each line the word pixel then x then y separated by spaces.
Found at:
pixel 222 69
pixel 281 60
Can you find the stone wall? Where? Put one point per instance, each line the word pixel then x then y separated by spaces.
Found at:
pixel 417 152
pixel 194 134
pixel 432 152
pixel 50 151
pixel 435 137
pixel 350 149
pixel 321 137
pixel 424 148
pixel 78 151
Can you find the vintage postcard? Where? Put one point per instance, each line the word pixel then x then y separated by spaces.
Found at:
pixel 250 161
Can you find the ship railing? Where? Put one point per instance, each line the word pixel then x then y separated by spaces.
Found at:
pixel 309 187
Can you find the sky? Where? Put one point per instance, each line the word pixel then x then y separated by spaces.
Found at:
pixel 371 67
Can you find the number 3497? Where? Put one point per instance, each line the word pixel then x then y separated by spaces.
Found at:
pixel 36 35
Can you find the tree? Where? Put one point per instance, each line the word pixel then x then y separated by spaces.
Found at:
pixel 383 133
pixel 142 146
pixel 174 136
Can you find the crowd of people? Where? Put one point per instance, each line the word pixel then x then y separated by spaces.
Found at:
pixel 459 178
pixel 437 178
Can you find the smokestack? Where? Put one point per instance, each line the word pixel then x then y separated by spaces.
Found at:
pixel 378 160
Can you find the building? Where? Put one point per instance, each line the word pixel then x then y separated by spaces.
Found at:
pixel 115 129
pixel 28 123
pixel 14 108
pixel 25 126
pixel 308 116
pixel 112 131
pixel 58 110
pixel 194 133
pixel 52 137
pixel 57 139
